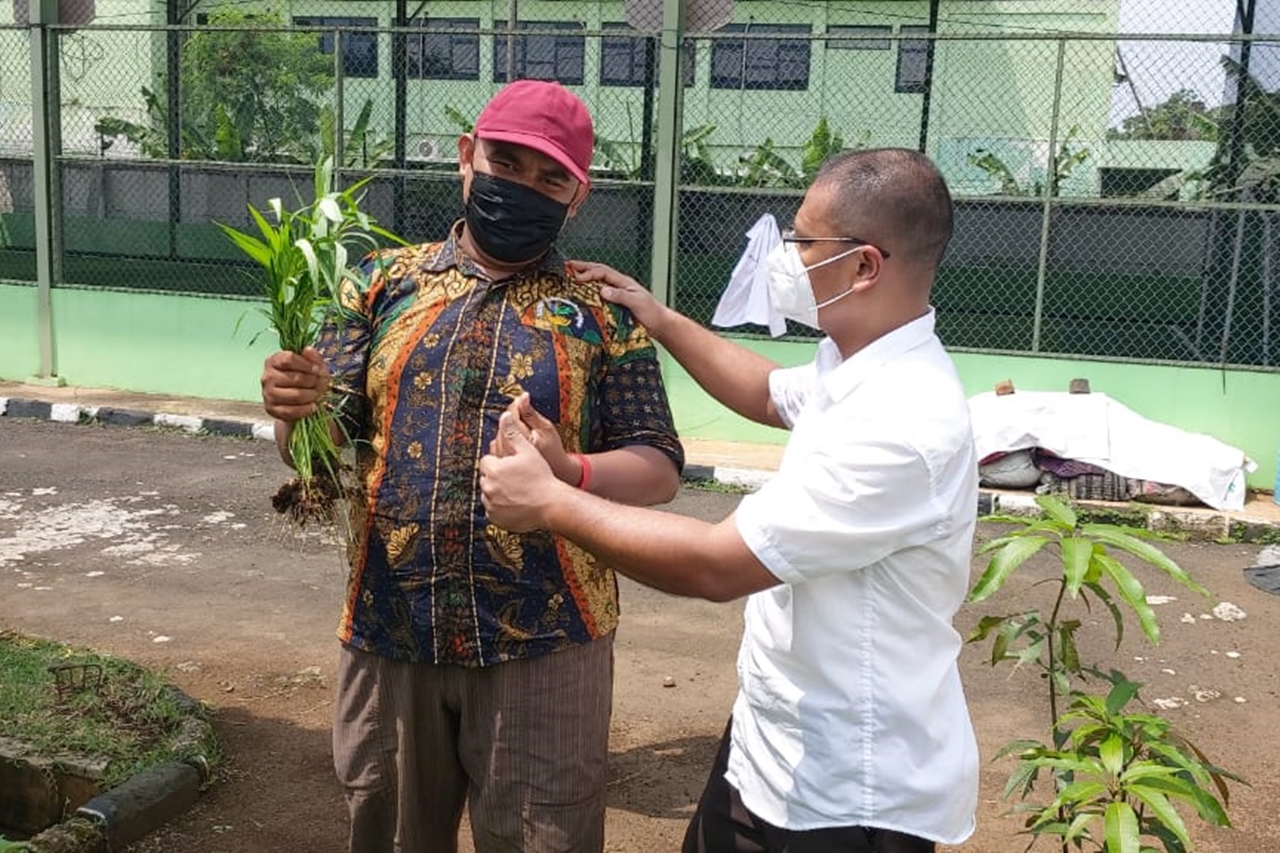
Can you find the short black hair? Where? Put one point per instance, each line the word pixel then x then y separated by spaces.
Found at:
pixel 893 197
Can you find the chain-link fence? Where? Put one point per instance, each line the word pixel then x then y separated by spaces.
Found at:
pixel 1115 187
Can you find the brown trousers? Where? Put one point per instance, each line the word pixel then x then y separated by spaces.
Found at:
pixel 522 744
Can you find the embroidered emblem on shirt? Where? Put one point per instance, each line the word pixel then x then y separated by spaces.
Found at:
pixel 565 316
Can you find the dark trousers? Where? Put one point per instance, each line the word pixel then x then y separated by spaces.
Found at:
pixel 722 824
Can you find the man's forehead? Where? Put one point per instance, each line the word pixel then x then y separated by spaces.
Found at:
pixel 814 209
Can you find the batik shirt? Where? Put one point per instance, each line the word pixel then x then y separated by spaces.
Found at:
pixel 426 357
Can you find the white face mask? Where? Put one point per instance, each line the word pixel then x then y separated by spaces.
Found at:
pixel 790 290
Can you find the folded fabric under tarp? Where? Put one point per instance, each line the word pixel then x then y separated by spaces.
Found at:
pixel 1096 429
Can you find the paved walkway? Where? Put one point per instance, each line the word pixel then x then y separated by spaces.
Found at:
pixel 725 461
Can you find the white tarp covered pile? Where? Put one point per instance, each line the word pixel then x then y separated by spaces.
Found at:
pixel 1097 430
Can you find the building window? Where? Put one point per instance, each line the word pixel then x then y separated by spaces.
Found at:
pixel 761 63
pixel 359 50
pixel 913 62
pixel 543 55
pixel 622 57
pixel 444 56
pixel 858 38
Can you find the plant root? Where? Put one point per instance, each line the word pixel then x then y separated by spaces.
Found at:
pixel 315 502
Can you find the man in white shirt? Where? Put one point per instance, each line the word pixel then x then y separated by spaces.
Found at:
pixel 850 731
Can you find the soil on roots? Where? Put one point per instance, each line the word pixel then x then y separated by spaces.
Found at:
pixel 314 502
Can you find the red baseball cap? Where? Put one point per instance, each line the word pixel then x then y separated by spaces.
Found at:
pixel 544 116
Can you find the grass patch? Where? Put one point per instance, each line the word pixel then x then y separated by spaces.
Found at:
pixel 128 719
pixel 710 484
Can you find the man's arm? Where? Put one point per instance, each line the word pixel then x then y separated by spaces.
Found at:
pixel 672 553
pixel 636 474
pixel 734 375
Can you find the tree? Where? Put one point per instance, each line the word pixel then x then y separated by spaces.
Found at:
pixel 1184 117
pixel 246 95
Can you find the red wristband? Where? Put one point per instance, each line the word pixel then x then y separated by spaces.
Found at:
pixel 585 480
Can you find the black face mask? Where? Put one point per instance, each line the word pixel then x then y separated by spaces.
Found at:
pixel 510 222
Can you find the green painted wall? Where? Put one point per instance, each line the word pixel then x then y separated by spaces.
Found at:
pixel 1241 408
pixel 138 341
pixel 191 347
pixel 19 338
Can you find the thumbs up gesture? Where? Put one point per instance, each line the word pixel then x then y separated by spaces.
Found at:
pixel 517 484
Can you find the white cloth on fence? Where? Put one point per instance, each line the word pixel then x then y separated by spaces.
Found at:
pixel 1095 429
pixel 746 298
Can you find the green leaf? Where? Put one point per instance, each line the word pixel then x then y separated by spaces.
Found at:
pixel 1079 828
pixel 1122 829
pixel 1068 654
pixel 1100 591
pixel 251 246
pixel 1077 554
pixel 1021 748
pixel 1133 594
pixel 1079 794
pixel 1122 692
pixel 1161 810
pixel 1119 538
pixel 1003 563
pixel 1021 781
pixel 1111 751
pixel 1057 510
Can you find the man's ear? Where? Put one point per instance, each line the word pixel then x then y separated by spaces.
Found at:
pixel 579 196
pixel 466 150
pixel 870 265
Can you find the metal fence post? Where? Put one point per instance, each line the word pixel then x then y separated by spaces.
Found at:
pixel 48 202
pixel 666 196
pixel 1050 189
pixel 339 132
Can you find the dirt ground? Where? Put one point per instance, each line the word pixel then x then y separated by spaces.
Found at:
pixel 161 547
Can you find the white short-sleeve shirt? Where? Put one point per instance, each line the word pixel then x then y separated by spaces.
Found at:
pixel 850 709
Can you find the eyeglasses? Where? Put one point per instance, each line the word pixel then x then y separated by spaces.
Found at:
pixel 789 236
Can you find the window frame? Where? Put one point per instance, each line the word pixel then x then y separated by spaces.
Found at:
pixel 908 50
pixel 415 62
pixel 752 56
pixel 573 39
pixel 636 40
pixel 352 66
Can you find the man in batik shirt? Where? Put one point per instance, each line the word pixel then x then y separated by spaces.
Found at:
pixel 477 665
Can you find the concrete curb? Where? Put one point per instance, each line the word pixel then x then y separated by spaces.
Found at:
pixel 142 803
pixel 1194 522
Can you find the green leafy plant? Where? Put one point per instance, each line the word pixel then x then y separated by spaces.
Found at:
pixel 7 846
pixel 361 147
pixel 248 94
pixel 765 167
pixel 1182 116
pixel 822 144
pixel 307 256
pixel 1065 161
pixel 1115 776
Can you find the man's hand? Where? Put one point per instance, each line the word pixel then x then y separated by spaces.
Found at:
pixel 543 435
pixel 517 488
pixel 625 291
pixel 293 385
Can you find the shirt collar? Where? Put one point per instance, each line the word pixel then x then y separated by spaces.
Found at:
pixel 842 377
pixel 452 255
